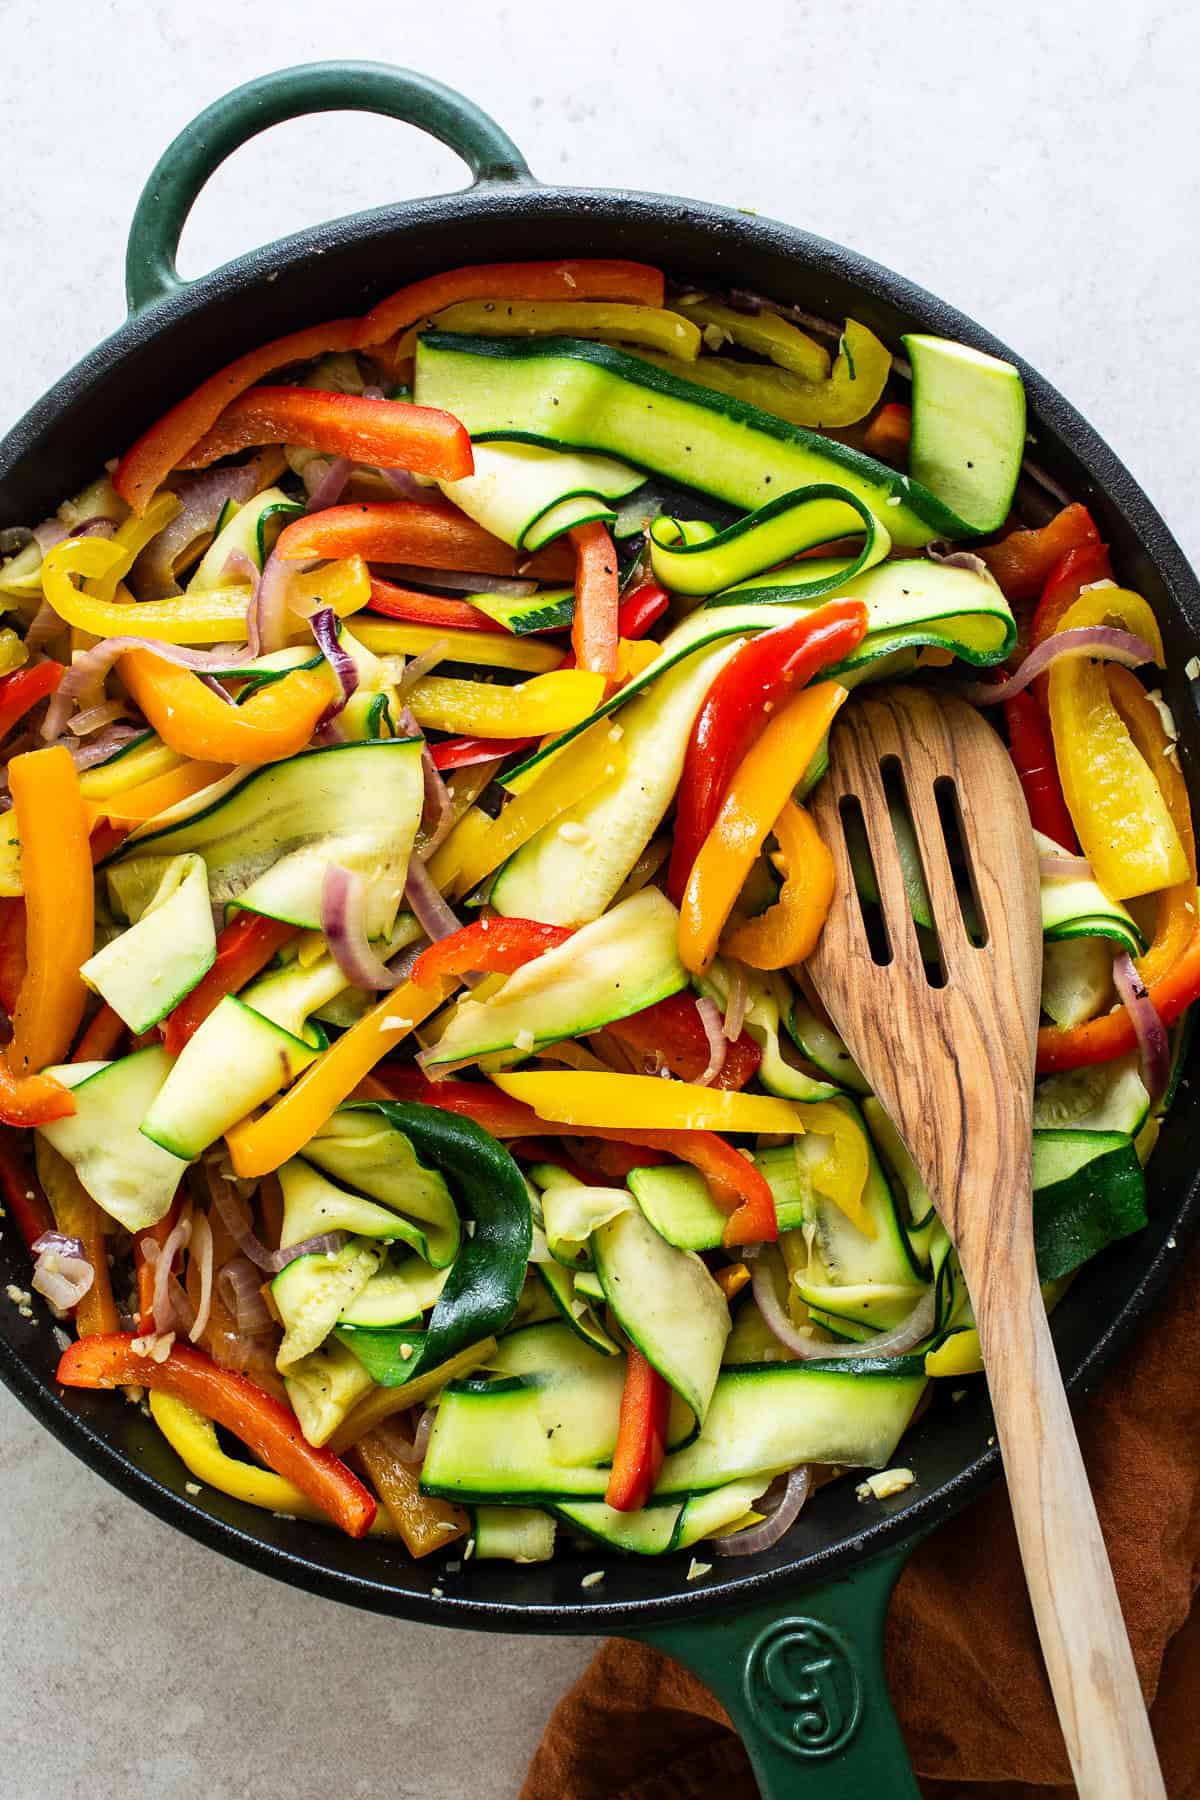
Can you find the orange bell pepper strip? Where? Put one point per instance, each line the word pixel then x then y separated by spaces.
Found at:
pixel 1100 1040
pixel 787 932
pixel 754 800
pixel 136 805
pixel 101 1036
pixel 244 948
pixel 1023 561
pixel 641 1435
pixel 381 433
pixel 77 1215
pixel 889 434
pixel 274 723
pixel 145 466
pixel 268 1429
pixel 591 278
pixel 56 871
pixel 594 626
pixel 261 1145
pixel 430 533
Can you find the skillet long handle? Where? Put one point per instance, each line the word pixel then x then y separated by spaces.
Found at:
pixel 1083 1636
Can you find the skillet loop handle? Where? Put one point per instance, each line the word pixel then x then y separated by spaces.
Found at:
pixel 201 148
pixel 803 1682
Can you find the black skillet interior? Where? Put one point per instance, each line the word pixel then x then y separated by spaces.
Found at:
pixel 100 406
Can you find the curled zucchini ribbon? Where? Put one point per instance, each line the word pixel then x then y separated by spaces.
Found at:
pixel 691 557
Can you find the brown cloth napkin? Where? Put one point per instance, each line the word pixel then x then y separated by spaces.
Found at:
pixel 962 1655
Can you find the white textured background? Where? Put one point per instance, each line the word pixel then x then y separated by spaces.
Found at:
pixel 1038 166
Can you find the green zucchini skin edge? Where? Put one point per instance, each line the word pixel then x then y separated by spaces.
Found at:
pixel 485 1282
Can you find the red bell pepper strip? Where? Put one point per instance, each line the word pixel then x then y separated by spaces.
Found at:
pixel 12 951
pixel 1070 575
pixel 244 948
pixel 615 1161
pixel 21 691
pixel 430 533
pixel 100 1037
pixel 495 946
pixel 736 709
pixel 24 1201
pixel 1023 561
pixel 268 1429
pixel 106 837
pixel 641 1435
pixel 737 1185
pixel 587 279
pixel 672 1029
pixel 461 752
pixel 637 614
pixel 594 627
pixel 1099 1040
pixel 425 609
pixel 145 1270
pixel 145 466
pixel 889 434
pixel 1031 746
pixel 533 1150
pixel 381 433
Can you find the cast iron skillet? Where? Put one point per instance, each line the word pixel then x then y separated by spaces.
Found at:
pixel 790 1640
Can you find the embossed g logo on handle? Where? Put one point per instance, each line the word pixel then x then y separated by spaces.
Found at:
pixel 803 1687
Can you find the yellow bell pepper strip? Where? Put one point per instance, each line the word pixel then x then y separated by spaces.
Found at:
pixel 548 703
pixel 646 1102
pixel 129 540
pixel 56 872
pixel 265 1426
pixel 652 326
pixel 144 762
pixel 274 723
pixel 383 1402
pixel 136 805
pixel 753 801
pixel 216 617
pixel 257 1146
pixel 1116 805
pixel 854 386
pixel 591 759
pixel 449 859
pixel 77 1215
pixel 1176 920
pixel 495 649
pixel 732 1279
pixel 424 1523
pixel 765 333
pixel 841 1175
pixel 145 466
pixel 380 433
pixel 594 627
pixel 194 1441
pixel 788 931
pixel 592 278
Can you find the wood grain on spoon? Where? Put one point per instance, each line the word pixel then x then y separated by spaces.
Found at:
pixel 953 1066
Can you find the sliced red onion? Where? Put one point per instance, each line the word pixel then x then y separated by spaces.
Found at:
pixel 271 604
pixel 201 495
pixel 49 533
pixel 343 921
pixel 404 484
pixel 202 1255
pixel 59 1242
pixel 93 717
pixel 101 747
pixel 437 808
pixel 776 1525
pixel 239 1288
pixel 236 1221
pixel 165 1316
pixel 459 581
pixel 62 1273
pixel 44 625
pixel 950 558
pixel 736 1004
pixel 215 687
pixel 902 1337
pixel 1103 641
pixel 97 526
pixel 326 490
pixel 432 912
pixel 58 710
pixel 414 1454
pixel 1065 867
pixel 1151 1032
pixel 418 667
pixel 325 629
pixel 718 1044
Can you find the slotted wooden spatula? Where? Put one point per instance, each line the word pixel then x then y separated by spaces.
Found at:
pixel 953 1066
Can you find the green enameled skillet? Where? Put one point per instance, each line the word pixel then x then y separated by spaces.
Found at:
pixel 790 1640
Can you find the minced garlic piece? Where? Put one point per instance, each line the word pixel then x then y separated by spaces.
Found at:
pixel 593 1580
pixel 697 1569
pixel 886 1483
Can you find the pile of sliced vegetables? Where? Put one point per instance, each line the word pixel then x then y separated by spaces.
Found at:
pixel 406 882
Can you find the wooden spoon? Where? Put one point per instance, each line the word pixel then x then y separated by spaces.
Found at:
pixel 953 1066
